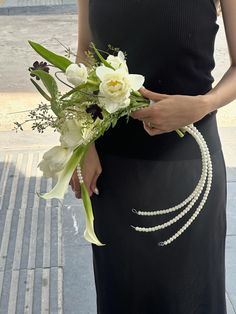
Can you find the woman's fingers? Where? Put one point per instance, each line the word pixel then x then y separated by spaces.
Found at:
pixel 152 95
pixel 75 185
pixel 93 185
pixel 91 169
pixel 91 181
pixel 152 130
pixel 147 112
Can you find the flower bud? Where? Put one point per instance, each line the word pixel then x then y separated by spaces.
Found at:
pixel 54 161
pixel 77 74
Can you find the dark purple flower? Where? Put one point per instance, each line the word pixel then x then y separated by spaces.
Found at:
pixel 95 111
pixel 39 66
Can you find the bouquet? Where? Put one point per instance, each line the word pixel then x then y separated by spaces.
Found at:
pixel 100 92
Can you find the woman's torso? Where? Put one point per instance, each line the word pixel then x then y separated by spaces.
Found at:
pixel 170 42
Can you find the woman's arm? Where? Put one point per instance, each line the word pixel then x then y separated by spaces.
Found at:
pixel 225 91
pixel 84 34
pixel 91 168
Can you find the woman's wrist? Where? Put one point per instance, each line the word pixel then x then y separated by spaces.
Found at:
pixel 209 102
pixel 80 57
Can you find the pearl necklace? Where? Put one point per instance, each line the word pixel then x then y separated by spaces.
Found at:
pixel 186 205
pixel 204 182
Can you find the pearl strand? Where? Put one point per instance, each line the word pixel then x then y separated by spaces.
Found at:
pixel 195 132
pixel 206 178
pixel 196 191
pixel 79 174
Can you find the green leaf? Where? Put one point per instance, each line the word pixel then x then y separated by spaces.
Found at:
pixel 48 81
pixel 113 123
pixel 42 92
pixel 107 64
pixel 57 60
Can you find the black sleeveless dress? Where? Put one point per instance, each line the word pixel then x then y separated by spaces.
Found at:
pixel 170 42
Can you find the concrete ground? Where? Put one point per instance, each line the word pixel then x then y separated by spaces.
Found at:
pixel 45 265
pixel 35 7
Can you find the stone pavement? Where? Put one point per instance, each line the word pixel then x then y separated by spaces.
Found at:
pixel 45 264
pixel 35 7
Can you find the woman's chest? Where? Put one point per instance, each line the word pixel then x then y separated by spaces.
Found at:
pixel 146 20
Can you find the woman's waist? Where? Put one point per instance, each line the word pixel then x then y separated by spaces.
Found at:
pixel 132 141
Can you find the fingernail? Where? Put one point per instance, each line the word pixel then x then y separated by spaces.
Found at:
pixel 96 191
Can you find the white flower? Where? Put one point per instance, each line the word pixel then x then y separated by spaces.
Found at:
pixel 116 86
pixel 77 74
pixel 118 62
pixel 74 133
pixel 71 135
pixel 54 161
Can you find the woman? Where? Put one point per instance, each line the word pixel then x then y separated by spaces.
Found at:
pixel 145 165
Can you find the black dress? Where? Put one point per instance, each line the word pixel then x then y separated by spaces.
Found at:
pixel 171 42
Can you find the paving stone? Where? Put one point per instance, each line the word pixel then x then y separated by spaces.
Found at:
pixel 230 309
pixel 231 174
pixel 31 269
pixel 79 289
pixel 231 208
pixel 231 269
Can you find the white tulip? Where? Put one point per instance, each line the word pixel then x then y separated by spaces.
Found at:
pixel 116 86
pixel 77 74
pixel 71 135
pixel 54 161
pixel 118 62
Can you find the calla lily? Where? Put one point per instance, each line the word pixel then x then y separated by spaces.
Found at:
pixel 65 175
pixel 54 161
pixel 71 135
pixel 89 233
pixel 61 187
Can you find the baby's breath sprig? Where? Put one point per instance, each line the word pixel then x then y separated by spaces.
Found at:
pixel 41 118
pixel 68 52
pixel 115 50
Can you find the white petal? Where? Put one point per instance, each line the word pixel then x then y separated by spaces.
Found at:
pixel 72 67
pixel 102 71
pixel 136 81
pixel 121 55
pixel 82 66
pixel 111 107
pixel 65 175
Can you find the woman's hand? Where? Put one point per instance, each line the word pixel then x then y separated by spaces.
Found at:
pixel 170 112
pixel 91 169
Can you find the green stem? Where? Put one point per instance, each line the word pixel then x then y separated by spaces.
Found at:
pixel 107 64
pixel 76 89
pixel 91 82
pixel 180 133
pixel 136 93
